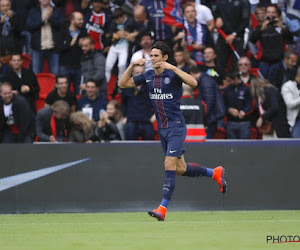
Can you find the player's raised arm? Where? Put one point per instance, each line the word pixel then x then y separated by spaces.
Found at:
pixel 186 78
pixel 126 81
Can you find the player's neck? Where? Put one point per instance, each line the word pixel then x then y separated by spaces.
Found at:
pixel 158 71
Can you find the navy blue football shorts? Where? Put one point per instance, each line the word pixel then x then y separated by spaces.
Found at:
pixel 172 140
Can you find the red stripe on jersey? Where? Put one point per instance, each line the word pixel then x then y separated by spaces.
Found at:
pixel 160 104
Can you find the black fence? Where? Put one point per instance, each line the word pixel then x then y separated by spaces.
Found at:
pixel 129 177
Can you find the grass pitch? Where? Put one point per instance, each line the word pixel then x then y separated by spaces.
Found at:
pixel 181 230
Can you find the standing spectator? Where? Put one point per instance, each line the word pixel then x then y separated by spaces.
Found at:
pixel 232 17
pixel 93 66
pixel 271 35
pixel 16 117
pixel 9 29
pixel 291 95
pixel 155 14
pixel 137 110
pixel 91 103
pixel 111 123
pixel 83 129
pixel 210 67
pixel 144 52
pixel 53 123
pixel 267 99
pixel 61 92
pixel 210 94
pixel 205 16
pixel 21 9
pixel 44 22
pixel 197 34
pixel 180 59
pixel 289 66
pixel 244 66
pixel 70 53
pixel 193 113
pixel 238 103
pixel 97 24
pixel 121 28
pixel 23 81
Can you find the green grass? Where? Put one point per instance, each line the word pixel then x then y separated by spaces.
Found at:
pixel 181 230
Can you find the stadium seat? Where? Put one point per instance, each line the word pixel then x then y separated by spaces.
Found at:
pixel 46 82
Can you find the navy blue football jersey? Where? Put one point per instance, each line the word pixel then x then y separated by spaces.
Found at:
pixel 164 92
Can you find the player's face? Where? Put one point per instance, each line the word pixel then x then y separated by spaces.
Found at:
pixel 190 14
pixel 209 55
pixel 6 94
pixel 62 84
pixel 156 56
pixel 16 62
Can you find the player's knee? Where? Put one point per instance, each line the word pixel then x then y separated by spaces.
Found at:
pixel 170 164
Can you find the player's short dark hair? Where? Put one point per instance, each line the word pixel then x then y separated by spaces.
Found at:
pixel 163 47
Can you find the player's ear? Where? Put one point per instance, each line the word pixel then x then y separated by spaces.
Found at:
pixel 165 57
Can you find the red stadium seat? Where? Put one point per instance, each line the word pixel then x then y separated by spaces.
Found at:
pixel 46 82
pixel 26 61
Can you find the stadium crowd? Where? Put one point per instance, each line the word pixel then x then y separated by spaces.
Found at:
pixel 243 53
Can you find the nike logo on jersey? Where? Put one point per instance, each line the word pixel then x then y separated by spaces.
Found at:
pixel 172 151
pixel 148 80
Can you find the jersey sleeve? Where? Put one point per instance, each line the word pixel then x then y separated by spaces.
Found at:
pixel 139 79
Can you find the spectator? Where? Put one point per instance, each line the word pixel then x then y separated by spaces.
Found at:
pixel 21 9
pixel 210 94
pixel 61 92
pixel 197 34
pixel 111 123
pixel 205 16
pixel 267 99
pixel 93 66
pixel 210 67
pixel 238 103
pixel 97 24
pixel 23 81
pixel 83 129
pixel 271 35
pixel 92 102
pixel 53 123
pixel 70 53
pixel 244 66
pixel 155 15
pixel 179 57
pixel 289 66
pixel 16 117
pixel 129 7
pixel 137 109
pixel 145 43
pixel 4 68
pixel 193 113
pixel 9 29
pixel 291 95
pixel 232 17
pixel 44 22
pixel 121 28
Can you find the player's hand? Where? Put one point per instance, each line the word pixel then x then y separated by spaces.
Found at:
pixel 141 61
pixel 165 65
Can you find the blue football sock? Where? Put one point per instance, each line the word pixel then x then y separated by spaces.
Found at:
pixel 195 170
pixel 169 186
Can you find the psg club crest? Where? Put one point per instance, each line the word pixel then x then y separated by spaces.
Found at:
pixel 167 80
